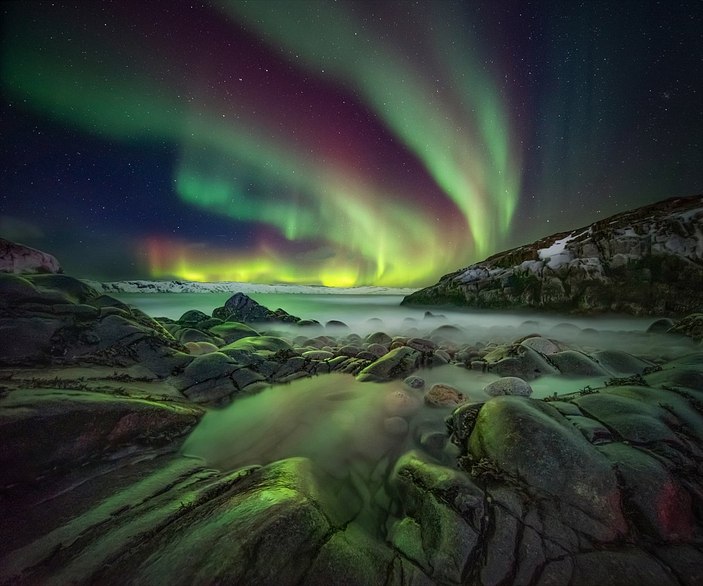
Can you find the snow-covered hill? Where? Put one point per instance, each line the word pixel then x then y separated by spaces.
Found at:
pixel 233 287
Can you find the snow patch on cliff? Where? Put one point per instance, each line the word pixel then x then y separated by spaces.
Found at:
pixel 557 254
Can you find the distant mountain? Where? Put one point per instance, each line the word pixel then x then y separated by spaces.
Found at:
pixel 232 287
pixel 648 261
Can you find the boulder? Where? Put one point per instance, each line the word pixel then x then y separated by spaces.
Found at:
pixel 74 290
pixel 268 531
pixel 508 385
pixel 377 350
pixel 398 363
pixel 414 382
pixel 462 421
pixel 532 442
pixel 192 335
pixel 573 363
pixel 350 558
pixel 396 426
pixel 198 348
pixel 349 350
pixel 625 567
pixel 232 331
pixel 542 345
pixel 443 395
pixel 421 345
pixel 258 344
pixel 242 308
pixel 58 319
pixel 318 355
pixel 379 338
pixel 620 362
pixel 193 316
pixel 660 326
pixel 401 403
pixel 18 258
pixel 336 326
pixel 207 378
pixel 516 360
pixel 642 415
pixel 443 511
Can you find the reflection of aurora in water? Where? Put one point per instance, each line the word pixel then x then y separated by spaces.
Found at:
pixel 303 165
pixel 352 432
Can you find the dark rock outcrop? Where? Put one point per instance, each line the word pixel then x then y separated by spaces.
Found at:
pixel 242 308
pixel 45 431
pixel 56 319
pixel 17 258
pixel 648 261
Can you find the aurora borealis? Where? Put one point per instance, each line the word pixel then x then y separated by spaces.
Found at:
pixel 336 143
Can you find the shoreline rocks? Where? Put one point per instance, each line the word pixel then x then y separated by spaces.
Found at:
pixel 480 485
pixel 242 308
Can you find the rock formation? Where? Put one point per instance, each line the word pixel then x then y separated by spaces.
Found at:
pixel 17 258
pixel 242 308
pixel 648 261
pixel 486 487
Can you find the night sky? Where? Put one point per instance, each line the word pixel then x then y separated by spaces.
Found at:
pixel 337 143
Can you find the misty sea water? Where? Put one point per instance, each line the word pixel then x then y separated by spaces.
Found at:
pixel 356 310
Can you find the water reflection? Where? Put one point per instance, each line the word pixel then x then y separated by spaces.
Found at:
pixel 334 420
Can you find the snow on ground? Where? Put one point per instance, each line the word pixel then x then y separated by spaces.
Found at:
pixel 688 215
pixel 474 274
pixel 232 287
pixel 556 255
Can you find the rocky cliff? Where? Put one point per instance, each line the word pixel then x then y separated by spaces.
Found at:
pixel 17 258
pixel 645 261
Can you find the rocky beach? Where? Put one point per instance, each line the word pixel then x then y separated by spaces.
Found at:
pixel 351 293
pixel 250 446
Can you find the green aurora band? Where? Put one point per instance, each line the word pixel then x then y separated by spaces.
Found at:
pixel 468 154
pixel 375 235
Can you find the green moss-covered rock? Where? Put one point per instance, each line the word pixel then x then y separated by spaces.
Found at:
pixel 352 558
pixel 258 344
pixel 233 331
pixel 398 363
pixel 443 510
pixel 532 442
pixel 267 532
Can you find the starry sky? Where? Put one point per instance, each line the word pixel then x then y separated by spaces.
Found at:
pixel 342 143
